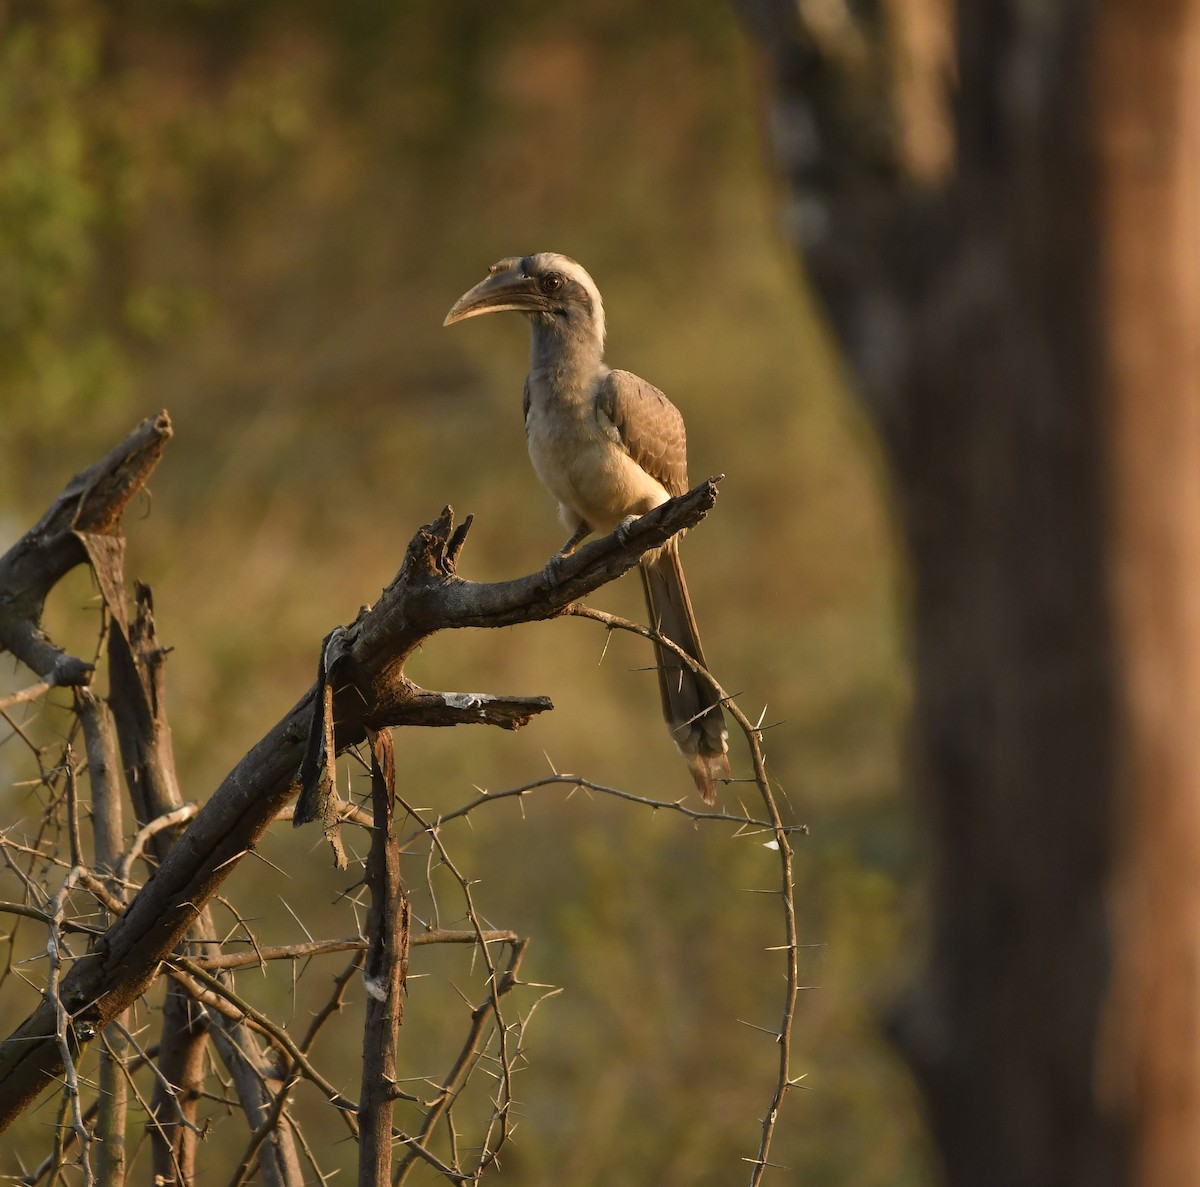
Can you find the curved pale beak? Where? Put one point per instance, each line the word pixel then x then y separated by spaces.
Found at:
pixel 506 287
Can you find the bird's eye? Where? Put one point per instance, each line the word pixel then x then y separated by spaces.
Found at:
pixel 551 282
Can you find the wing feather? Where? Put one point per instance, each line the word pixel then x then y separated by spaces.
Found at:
pixel 649 426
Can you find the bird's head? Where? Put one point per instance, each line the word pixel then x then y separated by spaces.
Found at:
pixel 553 290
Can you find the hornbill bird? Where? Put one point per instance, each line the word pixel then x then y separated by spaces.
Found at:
pixel 607 445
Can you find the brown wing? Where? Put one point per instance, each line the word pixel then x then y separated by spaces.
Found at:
pixel 649 425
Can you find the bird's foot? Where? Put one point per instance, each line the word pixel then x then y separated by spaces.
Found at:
pixel 553 571
pixel 622 530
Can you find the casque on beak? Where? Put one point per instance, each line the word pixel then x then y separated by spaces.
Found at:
pixel 506 287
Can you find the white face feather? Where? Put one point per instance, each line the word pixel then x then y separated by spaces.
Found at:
pixel 550 260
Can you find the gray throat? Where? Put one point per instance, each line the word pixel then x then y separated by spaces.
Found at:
pixel 565 359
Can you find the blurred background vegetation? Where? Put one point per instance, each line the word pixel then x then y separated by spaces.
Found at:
pixel 255 215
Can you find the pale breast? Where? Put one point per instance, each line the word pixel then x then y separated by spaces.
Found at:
pixel 585 467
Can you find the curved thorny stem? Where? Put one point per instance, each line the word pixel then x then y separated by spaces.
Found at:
pixel 787 884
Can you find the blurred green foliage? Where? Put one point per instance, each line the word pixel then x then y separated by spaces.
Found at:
pixel 255 214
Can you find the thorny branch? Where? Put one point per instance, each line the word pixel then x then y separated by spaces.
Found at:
pixel 134 927
pixel 787 883
pixel 477 1037
pixel 385 971
pixel 426 596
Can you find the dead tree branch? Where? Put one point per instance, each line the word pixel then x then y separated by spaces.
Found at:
pixel 92 503
pixel 372 692
pixel 384 973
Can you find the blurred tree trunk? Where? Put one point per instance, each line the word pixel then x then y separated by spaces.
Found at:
pixel 1000 208
pixel 1148 99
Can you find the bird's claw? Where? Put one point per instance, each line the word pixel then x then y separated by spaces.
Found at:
pixel 623 530
pixel 553 571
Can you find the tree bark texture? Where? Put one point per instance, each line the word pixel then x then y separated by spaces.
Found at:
pixel 1021 315
pixel 137 695
pixel 384 972
pixel 1148 109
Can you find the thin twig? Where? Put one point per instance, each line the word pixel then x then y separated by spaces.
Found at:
pixel 787 888
pixel 340 984
pixel 64 1031
pixel 239 960
pixel 177 965
pixel 26 694
pixel 476 1036
pixel 562 779
pixel 153 828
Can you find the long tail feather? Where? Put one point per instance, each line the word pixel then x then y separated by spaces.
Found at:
pixel 691 708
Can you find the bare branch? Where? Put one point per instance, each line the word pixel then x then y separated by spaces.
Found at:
pixel 103 767
pixel 384 972
pixel 67 1038
pixel 138 696
pixel 787 888
pixel 113 1089
pixel 198 981
pixel 362 692
pixel 173 1106
pixel 259 1086
pixel 426 596
pixel 574 782
pixel 93 501
pixel 486 1015
pixel 241 960
pixel 27 694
